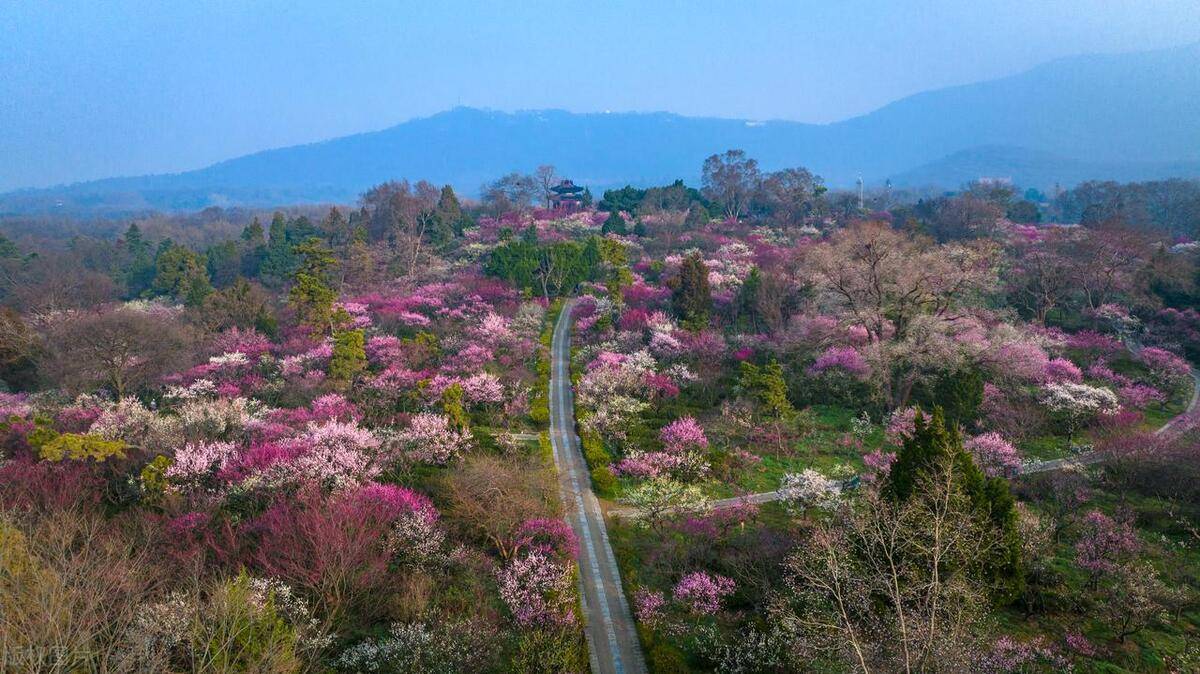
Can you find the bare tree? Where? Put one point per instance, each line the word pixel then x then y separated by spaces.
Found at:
pixel 547 178
pixel 892 587
pixel 122 349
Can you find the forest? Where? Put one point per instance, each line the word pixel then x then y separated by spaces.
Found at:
pixel 866 431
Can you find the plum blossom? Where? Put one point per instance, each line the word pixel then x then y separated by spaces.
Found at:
pixel 337 453
pixel 994 455
pixel 1104 544
pixel 844 358
pixel 1061 369
pixel 430 438
pixel 537 590
pixel 809 489
pixel 195 460
pixel 702 592
pixel 649 607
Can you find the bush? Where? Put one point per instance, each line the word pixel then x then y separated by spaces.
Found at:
pixel 604 481
pixel 239 632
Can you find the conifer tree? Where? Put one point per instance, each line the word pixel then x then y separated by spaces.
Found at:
pixel 311 296
pixel 692 296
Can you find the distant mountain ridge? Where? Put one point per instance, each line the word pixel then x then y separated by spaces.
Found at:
pixel 1127 117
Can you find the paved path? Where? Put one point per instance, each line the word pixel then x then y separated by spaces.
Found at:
pixel 612 640
pixel 1086 459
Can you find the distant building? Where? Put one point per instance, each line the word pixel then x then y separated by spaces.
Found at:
pixel 566 195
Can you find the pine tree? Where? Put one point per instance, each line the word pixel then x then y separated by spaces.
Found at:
pixel 279 262
pixel 692 297
pixel 747 299
pixel 139 270
pixel 182 274
pixel 311 296
pixel 934 443
pixel 349 356
pixel 614 224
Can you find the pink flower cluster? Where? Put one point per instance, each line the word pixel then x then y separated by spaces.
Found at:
pixel 1061 369
pixel 1166 364
pixel 844 358
pixel 703 592
pixel 994 455
pixel 1105 543
pixel 547 535
pixel 682 435
pixel 536 589
pixel 430 438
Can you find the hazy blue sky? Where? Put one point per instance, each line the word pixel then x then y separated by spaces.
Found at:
pixel 92 89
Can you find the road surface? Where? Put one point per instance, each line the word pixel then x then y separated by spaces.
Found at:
pixel 612 640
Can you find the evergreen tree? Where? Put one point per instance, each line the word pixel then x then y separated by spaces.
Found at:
pixel 958 393
pixel 747 300
pixel 311 295
pixel 768 386
pixel 254 249
pixel 139 269
pixel 279 262
pixel 614 224
pixel 224 263
pixel 934 443
pixel 692 297
pixel 452 406
pixel 349 356
pixel 253 235
pixel 182 274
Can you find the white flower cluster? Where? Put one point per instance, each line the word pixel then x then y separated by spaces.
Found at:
pixel 809 489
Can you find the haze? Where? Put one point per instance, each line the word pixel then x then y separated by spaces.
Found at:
pixel 91 90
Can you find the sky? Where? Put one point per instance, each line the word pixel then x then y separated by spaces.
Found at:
pixel 97 89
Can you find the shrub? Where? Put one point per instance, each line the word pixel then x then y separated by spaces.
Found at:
pixel 80 447
pixel 604 481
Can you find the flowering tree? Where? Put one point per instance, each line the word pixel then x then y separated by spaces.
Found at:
pixel 537 590
pixel 1104 544
pixel 994 455
pixel 702 592
pixel 431 439
pixel 1076 404
pixel 809 489
pixel 659 495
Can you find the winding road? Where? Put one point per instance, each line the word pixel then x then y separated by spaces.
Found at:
pixel 613 644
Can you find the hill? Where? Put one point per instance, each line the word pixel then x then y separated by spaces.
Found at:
pixel 1125 116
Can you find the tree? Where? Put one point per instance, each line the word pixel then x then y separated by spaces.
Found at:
pixel 730 180
pixel 907 292
pixel 242 305
pixel 139 266
pixel 223 262
pixel 279 262
pixel 546 177
pixel 183 275
pixel 789 196
pixel 893 587
pixel 692 297
pixel 311 296
pixel 349 356
pixel 122 349
pixel 747 304
pixel 492 498
pixel 933 446
pixel 511 192
pixel 613 224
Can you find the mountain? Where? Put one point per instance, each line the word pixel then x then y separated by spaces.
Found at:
pixel 1125 116
pixel 1036 168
